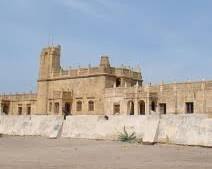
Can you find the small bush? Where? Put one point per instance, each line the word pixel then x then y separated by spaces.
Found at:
pixel 126 137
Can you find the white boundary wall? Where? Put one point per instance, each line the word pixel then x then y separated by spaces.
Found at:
pixel 185 130
pixel 48 126
pixel 174 129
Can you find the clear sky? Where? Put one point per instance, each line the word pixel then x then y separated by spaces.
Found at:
pixel 170 39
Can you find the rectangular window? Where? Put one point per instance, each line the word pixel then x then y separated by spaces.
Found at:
pixel 56 108
pixel 162 108
pixel 116 109
pixel 50 106
pixel 28 109
pixel 20 109
pixel 79 106
pixel 189 107
pixel 91 106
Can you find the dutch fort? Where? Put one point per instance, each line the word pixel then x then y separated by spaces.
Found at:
pixel 104 90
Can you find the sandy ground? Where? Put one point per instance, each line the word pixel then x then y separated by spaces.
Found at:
pixel 38 152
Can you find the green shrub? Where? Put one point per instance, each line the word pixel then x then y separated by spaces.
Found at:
pixel 126 137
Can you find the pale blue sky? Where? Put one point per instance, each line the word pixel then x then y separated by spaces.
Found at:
pixel 170 39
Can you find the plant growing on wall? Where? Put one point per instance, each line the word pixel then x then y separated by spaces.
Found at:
pixel 126 137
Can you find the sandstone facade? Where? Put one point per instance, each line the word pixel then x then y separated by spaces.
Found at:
pixel 104 90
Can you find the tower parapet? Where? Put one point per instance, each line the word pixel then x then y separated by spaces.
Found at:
pixel 49 61
pixel 104 62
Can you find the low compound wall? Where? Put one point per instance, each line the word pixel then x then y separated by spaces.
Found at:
pixel 185 130
pixel 174 129
pixel 97 127
pixel 48 126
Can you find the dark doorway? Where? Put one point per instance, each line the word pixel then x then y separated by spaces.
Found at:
pixel 118 82
pixel 67 109
pixel 153 106
pixel 19 110
pixel 5 108
pixel 28 109
pixel 141 105
pixel 162 108
pixel 131 108
pixel 189 107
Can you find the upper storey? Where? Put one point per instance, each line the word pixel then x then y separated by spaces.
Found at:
pixel 50 68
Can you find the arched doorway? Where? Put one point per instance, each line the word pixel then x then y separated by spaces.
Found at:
pixel 141 107
pixel 153 106
pixel 130 108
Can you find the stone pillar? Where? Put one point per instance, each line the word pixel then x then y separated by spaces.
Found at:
pixel 157 108
pixel 136 100
pixel 0 108
pixel 175 98
pixel 136 107
pixel 147 105
pixel 203 99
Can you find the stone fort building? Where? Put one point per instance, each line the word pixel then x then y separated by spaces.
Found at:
pixel 104 90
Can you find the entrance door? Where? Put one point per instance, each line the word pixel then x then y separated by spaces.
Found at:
pixel 131 108
pixel 189 107
pixel 162 108
pixel 67 109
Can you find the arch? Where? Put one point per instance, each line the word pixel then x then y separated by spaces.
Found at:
pixel 141 107
pixel 90 105
pixel 116 108
pixel 79 106
pixel 130 107
pixel 56 108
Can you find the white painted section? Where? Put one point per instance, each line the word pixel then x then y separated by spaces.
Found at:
pixel 48 126
pixel 151 129
pixel 97 127
pixel 174 129
pixel 185 130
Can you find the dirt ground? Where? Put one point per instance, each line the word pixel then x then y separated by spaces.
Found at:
pixel 43 153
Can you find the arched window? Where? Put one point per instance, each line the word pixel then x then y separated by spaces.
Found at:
pixel 56 108
pixel 91 105
pixel 141 107
pixel 130 108
pixel 79 106
pixel 116 109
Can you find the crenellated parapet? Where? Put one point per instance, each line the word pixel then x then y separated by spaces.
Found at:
pixel 96 71
pixel 19 97
pixel 50 68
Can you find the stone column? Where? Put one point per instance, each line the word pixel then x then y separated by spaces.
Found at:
pixel 203 99
pixel 147 103
pixel 158 108
pixel 136 100
pixel 0 108
pixel 136 107
pixel 175 99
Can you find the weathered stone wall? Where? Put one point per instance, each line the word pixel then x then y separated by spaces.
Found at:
pixel 48 126
pixel 84 89
pixel 185 130
pixel 172 129
pixel 173 95
pixel 97 127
